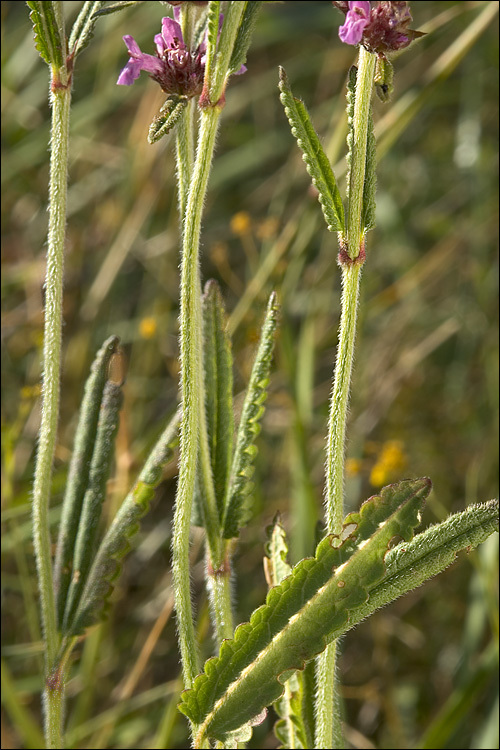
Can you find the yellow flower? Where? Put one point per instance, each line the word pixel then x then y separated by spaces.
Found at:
pixel 241 223
pixel 392 459
pixel 378 475
pixel 393 455
pixel 147 328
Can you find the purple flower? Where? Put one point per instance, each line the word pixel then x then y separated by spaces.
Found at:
pixel 175 68
pixel 356 20
pixel 381 27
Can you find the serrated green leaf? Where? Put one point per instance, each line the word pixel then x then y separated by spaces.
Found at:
pixel 114 7
pixel 315 158
pixel 216 75
pixel 213 15
pixel 102 456
pixel 106 567
pixel 306 696
pixel 370 181
pixel 290 729
pixel 83 28
pixel 48 27
pixel 116 543
pixel 244 36
pixel 368 210
pixel 197 518
pixel 218 362
pixel 236 510
pixel 79 469
pixel 350 97
pixel 302 614
pixel 275 563
pixel 408 565
pixel 384 79
pixel 168 117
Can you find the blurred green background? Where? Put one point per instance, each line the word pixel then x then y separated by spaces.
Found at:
pixel 423 672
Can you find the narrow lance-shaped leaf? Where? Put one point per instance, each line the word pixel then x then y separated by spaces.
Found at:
pixel 303 614
pixel 48 26
pixel 116 543
pixel 168 117
pixel 237 510
pixel 218 366
pixel 95 494
pixel 78 475
pixel 315 158
pixel 83 28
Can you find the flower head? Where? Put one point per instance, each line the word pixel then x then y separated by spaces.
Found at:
pixel 381 27
pixel 175 67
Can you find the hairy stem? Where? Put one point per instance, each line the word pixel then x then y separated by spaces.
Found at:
pixel 328 723
pixel 60 100
pixel 340 398
pixel 191 390
pixel 219 591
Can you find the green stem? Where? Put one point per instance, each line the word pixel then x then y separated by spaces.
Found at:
pixel 185 152
pixel 55 697
pixel 60 100
pixel 328 722
pixel 362 104
pixel 340 398
pixel 219 592
pixel 191 393
pixel 53 704
pixel 194 446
